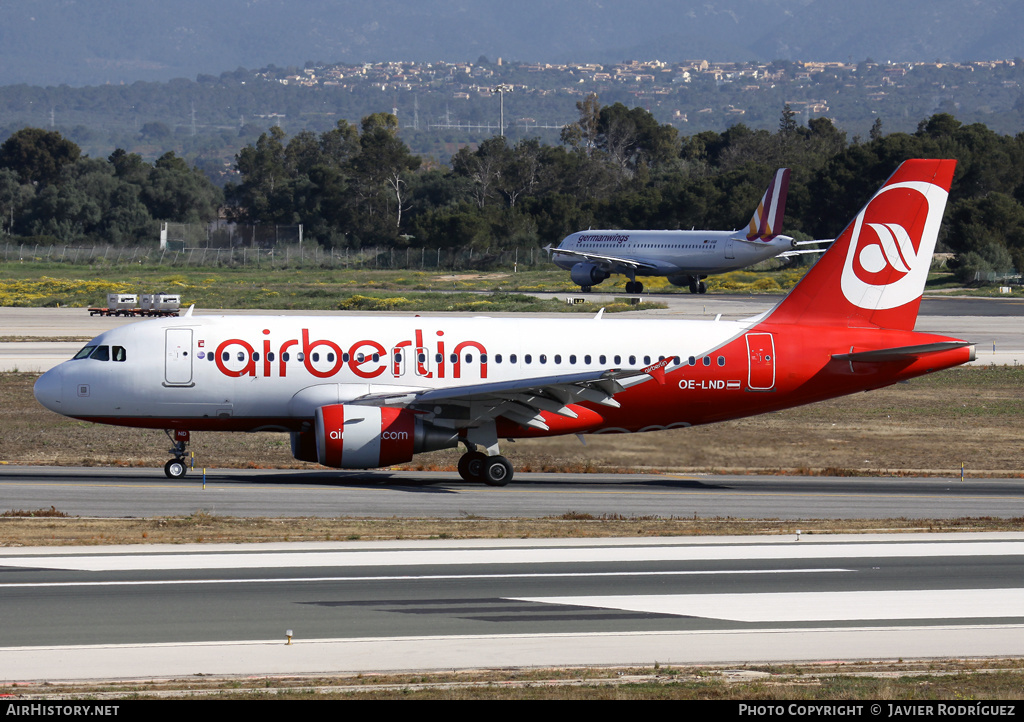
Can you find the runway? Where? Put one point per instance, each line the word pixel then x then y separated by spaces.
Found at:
pixel 127 612
pixel 115 492
pixel 360 607
pixel 993 324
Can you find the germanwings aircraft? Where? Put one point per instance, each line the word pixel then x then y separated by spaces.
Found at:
pixel 365 392
pixel 685 257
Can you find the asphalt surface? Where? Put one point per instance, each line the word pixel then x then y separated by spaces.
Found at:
pixel 357 607
pixel 117 492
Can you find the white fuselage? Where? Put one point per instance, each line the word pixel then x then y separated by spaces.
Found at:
pixel 273 372
pixel 669 253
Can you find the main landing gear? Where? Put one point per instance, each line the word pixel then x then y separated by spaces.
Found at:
pixel 697 285
pixel 177 467
pixel 476 466
pixel 634 287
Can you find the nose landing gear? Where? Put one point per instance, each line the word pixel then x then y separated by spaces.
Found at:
pixel 177 467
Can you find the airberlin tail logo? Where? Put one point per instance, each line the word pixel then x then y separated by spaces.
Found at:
pixel 891 245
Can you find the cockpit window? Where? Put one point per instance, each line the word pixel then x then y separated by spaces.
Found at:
pixel 102 353
pixel 84 353
pixel 118 353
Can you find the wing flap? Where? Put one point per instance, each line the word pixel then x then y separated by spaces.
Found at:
pixel 520 400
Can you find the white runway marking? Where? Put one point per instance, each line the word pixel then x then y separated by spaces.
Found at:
pixel 538 555
pixel 816 606
pixel 412 577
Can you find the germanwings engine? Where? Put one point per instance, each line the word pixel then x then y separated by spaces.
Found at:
pixel 347 436
pixel 587 274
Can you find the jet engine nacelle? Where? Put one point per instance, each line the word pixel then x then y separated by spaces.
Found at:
pixel 587 274
pixel 347 436
pixel 681 280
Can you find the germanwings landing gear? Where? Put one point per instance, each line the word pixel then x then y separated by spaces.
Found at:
pixel 634 287
pixel 697 285
pixel 178 466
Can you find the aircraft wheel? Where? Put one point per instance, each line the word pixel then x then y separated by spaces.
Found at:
pixel 585 289
pixel 175 468
pixel 497 471
pixel 471 466
pixel 694 287
pixel 638 287
pixel 631 287
pixel 702 287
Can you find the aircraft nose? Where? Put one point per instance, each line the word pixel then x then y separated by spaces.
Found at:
pixel 49 389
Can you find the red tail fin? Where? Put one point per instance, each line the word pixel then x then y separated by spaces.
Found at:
pixel 874 273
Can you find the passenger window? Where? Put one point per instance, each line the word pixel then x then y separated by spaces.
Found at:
pixel 721 360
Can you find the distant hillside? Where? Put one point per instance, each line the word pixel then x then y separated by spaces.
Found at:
pixel 84 42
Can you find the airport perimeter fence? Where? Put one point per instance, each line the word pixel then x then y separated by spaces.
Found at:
pixel 288 256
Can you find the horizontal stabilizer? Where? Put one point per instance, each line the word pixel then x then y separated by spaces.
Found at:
pixel 904 353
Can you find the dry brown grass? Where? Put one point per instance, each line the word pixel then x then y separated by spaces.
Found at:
pixel 929 426
pixel 45 529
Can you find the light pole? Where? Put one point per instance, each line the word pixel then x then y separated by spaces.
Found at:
pixel 501 90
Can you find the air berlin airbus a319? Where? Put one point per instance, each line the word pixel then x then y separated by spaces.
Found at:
pixel 366 392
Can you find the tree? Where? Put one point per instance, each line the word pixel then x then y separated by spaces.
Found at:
pixel 381 163
pixel 38 156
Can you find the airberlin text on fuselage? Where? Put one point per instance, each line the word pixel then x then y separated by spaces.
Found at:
pixel 366 358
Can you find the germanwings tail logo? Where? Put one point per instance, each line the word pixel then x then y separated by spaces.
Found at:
pixel 887 261
pixel 874 273
pixel 766 222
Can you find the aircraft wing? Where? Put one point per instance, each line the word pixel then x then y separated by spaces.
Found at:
pixel 604 259
pixel 519 400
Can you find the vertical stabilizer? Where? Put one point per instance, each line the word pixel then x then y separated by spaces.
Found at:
pixel 766 222
pixel 874 273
